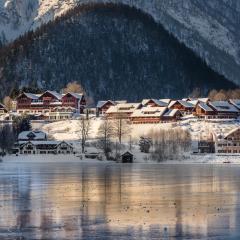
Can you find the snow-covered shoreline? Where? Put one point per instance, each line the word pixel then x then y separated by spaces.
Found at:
pixel 192 159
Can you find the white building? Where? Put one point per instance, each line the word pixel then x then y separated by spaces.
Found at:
pixel 45 147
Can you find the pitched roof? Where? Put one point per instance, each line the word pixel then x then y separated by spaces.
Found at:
pixel 171 113
pixel 166 100
pixel 235 102
pixel 204 100
pixel 35 135
pixel 232 131
pixel 126 153
pixel 149 112
pixel 156 101
pixel 30 95
pixel 194 102
pixel 123 108
pixel 76 95
pixel 102 103
pixel 223 106
pixel 54 93
pixel 183 103
pixel 205 107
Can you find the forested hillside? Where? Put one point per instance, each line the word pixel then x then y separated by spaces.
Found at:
pixel 114 51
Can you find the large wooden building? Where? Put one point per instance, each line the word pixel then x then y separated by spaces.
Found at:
pixel 30 103
pixel 202 110
pixel 103 106
pixel 224 110
pixel 122 110
pixel 148 115
pixel 185 107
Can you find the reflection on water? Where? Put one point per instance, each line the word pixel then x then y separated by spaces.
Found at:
pixel 113 201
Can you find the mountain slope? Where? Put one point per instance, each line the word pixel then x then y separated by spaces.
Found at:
pixel 210 28
pixel 114 51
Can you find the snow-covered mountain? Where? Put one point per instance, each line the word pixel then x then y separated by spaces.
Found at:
pixel 210 28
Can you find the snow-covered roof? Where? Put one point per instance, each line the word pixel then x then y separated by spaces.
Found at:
pixel 33 135
pixel 171 113
pixel 235 102
pixel 204 100
pixel 123 107
pixel 126 152
pixel 120 101
pixel 193 102
pixel 166 100
pixel 183 103
pixel 54 93
pixel 76 95
pixel 149 112
pixel 156 101
pixel 31 95
pixel 205 107
pixel 223 106
pixel 231 132
pixel 102 103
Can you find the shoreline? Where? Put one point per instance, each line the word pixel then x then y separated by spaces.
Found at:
pixel 192 159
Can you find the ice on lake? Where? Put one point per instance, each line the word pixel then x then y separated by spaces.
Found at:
pixel 114 201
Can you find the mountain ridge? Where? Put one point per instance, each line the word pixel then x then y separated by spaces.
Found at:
pixel 103 46
pixel 210 28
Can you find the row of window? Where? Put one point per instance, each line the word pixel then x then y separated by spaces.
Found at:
pixel 228 144
pixel 46 152
pixel 228 151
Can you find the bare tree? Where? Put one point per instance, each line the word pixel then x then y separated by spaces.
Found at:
pixel 7 101
pixel 196 93
pixel 105 134
pixel 223 95
pixel 170 143
pixel 74 87
pixel 121 127
pixel 85 127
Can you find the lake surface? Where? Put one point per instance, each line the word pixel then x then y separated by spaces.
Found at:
pixel 113 201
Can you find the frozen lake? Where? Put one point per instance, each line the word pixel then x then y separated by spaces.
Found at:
pixel 113 201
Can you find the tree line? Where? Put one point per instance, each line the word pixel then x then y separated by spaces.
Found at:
pixel 166 144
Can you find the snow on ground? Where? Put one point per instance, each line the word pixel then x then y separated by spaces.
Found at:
pixel 140 158
pixel 69 129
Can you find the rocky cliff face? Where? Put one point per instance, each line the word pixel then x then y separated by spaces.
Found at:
pixel 210 28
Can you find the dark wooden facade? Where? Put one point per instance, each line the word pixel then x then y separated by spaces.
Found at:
pixel 75 101
pixel 181 107
pixel 104 107
pixel 30 103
